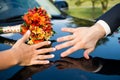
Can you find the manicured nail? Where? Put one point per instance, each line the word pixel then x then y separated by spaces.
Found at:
pixel 52 55
pixel 62 55
pixel 49 42
pixel 47 62
pixel 28 32
pixel 58 39
pixel 54 49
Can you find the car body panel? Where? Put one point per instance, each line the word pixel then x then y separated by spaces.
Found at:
pixel 106 54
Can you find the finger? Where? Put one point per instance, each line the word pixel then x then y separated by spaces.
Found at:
pixel 39 57
pixel 40 62
pixel 69 51
pixel 41 44
pixel 87 52
pixel 71 30
pixel 25 36
pixel 65 38
pixel 45 50
pixel 64 45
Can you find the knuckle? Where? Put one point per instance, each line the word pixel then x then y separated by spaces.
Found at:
pixel 46 50
pixel 32 47
pixel 73 49
pixel 69 43
pixel 82 43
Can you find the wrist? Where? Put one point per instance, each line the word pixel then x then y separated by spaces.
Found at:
pixel 100 31
pixel 8 59
pixel 105 26
pixel 14 56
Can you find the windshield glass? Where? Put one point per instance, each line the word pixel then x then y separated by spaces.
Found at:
pixel 12 8
pixel 51 9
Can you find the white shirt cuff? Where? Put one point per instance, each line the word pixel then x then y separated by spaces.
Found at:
pixel 105 26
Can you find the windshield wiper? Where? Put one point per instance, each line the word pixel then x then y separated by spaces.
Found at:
pixel 58 17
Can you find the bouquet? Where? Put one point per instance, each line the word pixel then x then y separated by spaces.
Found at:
pixel 38 22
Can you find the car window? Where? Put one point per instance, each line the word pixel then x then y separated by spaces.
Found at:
pixel 28 3
pixel 12 8
pixel 61 4
pixel 51 9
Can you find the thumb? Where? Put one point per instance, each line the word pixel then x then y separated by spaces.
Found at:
pixel 87 52
pixel 25 36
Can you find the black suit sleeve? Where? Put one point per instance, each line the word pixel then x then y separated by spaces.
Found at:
pixel 112 17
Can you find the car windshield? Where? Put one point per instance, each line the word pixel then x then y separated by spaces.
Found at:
pixel 12 8
pixel 51 9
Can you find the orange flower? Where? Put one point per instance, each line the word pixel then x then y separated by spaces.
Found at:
pixel 39 23
pixel 23 29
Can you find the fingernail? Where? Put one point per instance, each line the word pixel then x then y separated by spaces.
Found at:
pixel 87 57
pixel 28 32
pixel 52 55
pixel 54 49
pixel 58 40
pixel 62 55
pixel 47 62
pixel 49 42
